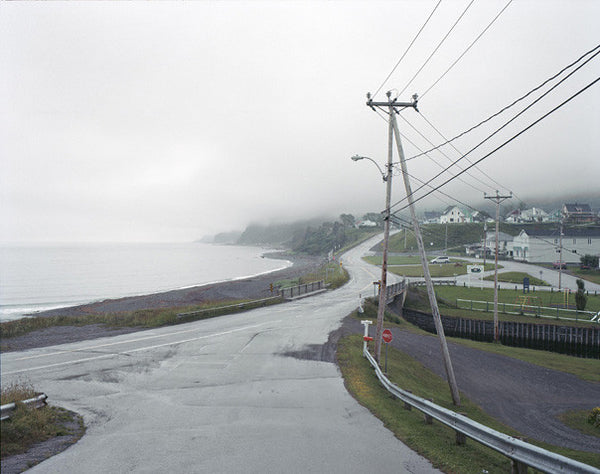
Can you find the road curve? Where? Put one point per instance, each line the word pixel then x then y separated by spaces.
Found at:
pixel 218 395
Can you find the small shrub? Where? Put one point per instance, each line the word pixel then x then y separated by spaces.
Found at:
pixel 594 418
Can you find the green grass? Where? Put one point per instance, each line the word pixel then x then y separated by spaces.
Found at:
pixel 590 275
pixel 436 442
pixel 508 294
pixel 437 270
pixel 394 259
pixel 578 420
pixel 517 278
pixel 28 426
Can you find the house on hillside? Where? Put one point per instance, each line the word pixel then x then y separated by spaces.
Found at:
pixel 553 216
pixel 513 216
pixel 505 242
pixel 543 246
pixel 578 213
pixel 366 223
pixel 454 215
pixel 535 214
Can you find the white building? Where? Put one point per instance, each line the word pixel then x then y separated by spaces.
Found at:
pixel 454 215
pixel 544 246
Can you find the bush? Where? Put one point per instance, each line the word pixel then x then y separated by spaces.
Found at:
pixel 594 418
pixel 580 298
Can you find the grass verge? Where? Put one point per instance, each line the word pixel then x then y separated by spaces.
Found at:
pixel 436 442
pixel 578 420
pixel 517 278
pixel 28 426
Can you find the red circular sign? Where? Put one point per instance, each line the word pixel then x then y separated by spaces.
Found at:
pixel 387 336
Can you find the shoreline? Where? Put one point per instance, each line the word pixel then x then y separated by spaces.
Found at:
pixel 245 287
pixel 254 287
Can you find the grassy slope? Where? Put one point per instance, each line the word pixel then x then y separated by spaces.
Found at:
pixel 433 441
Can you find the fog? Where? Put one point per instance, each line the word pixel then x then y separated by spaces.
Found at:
pixel 141 121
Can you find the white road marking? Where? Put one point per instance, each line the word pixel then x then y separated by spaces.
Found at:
pixel 104 356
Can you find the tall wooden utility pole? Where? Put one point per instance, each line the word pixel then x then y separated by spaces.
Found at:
pixel 392 107
pixel 560 261
pixel 498 199
pixel 386 239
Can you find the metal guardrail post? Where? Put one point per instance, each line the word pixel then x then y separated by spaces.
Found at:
pixel 521 453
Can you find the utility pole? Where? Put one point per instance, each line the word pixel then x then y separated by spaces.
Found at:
pixel 386 237
pixel 498 199
pixel 484 243
pixel 560 256
pixel 446 242
pixel 392 105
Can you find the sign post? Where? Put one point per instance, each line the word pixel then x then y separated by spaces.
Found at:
pixel 387 338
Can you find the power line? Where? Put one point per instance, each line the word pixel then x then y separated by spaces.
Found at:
pixel 468 48
pixel 505 125
pixel 512 104
pixel 438 46
pixel 505 143
pixel 439 164
pixel 460 153
pixel 407 49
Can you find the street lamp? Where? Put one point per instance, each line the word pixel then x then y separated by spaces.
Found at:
pixel 358 157
pixel 387 178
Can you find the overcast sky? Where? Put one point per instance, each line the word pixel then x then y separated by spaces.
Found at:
pixel 143 121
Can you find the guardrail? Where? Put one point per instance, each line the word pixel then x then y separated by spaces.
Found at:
pixel 435 282
pixel 304 289
pixel 244 305
pixel 35 402
pixel 539 311
pixel 521 453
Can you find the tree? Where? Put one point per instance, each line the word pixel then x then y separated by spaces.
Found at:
pixel 376 217
pixel 589 261
pixel 348 220
pixel 580 298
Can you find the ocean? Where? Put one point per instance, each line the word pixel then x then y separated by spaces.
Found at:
pixel 46 276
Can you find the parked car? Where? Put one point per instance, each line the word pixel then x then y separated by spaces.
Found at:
pixel 440 259
pixel 557 265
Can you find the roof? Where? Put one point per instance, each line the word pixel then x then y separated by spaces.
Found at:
pixel 554 231
pixel 578 208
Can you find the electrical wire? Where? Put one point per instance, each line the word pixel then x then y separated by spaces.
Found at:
pixel 504 143
pixel 438 46
pixel 468 161
pixel 407 49
pixel 505 125
pixel 467 50
pixel 439 164
pixel 510 105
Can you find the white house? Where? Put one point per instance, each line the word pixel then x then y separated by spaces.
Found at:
pixel 454 214
pixel 544 246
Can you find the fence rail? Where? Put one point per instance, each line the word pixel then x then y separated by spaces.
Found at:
pixel 304 289
pixel 539 311
pixel 522 453
pixel 35 402
pixel 435 282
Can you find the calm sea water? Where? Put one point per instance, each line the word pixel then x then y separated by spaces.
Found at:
pixel 39 277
